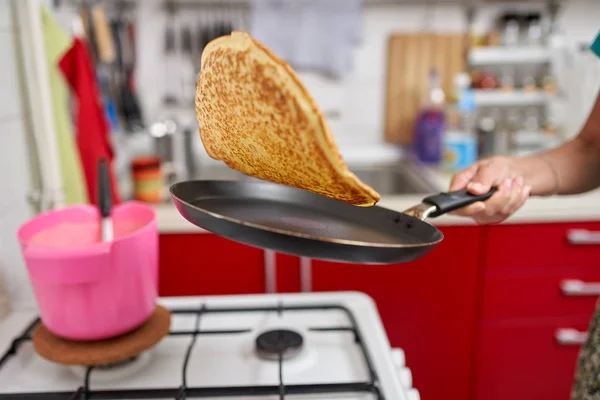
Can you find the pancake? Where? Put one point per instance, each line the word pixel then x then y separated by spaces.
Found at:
pixel 257 117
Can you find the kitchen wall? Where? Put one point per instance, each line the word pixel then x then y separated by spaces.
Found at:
pixel 15 173
pixel 359 97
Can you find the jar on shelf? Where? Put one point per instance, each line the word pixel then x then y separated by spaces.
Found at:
pixel 148 183
pixel 507 79
pixel 529 81
pixel 549 84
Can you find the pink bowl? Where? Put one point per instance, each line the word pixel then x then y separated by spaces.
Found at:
pixel 87 289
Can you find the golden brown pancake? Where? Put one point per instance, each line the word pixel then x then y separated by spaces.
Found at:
pixel 258 118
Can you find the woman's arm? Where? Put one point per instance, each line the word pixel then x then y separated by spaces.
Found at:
pixel 571 168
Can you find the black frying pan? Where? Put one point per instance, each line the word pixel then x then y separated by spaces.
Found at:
pixel 301 223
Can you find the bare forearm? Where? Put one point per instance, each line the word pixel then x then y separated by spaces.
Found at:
pixel 576 169
pixel 571 168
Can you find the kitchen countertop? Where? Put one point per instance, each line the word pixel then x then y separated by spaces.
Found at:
pixel 583 207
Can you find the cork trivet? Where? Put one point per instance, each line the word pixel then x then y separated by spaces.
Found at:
pixel 106 351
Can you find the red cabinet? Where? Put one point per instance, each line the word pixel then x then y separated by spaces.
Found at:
pixel 288 273
pixel 543 245
pixel 427 307
pixel 527 303
pixel 524 360
pixel 205 264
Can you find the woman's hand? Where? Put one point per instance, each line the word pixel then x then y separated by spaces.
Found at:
pixel 480 177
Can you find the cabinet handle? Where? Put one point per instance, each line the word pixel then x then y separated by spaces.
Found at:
pixel 570 337
pixel 583 237
pixel 575 287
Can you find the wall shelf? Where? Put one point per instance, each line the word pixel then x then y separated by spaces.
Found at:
pixel 515 98
pixel 510 55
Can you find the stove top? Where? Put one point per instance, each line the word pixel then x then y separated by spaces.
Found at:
pixel 239 347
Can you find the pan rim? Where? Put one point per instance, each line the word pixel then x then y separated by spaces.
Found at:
pixel 298 234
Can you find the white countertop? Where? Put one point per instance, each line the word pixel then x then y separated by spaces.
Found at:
pixel 584 207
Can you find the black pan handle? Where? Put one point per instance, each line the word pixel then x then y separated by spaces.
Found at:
pixel 450 201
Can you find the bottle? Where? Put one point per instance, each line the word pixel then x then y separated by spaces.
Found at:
pixel 460 141
pixel 431 124
pixel 534 30
pixel 487 131
pixel 507 80
pixel 510 36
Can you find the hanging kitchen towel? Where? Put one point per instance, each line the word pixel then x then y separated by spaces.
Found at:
pixel 56 43
pixel 343 22
pixel 310 34
pixel 92 128
pixel 274 25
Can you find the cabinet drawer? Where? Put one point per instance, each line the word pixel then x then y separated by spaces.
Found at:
pixel 563 292
pixel 527 362
pixel 543 245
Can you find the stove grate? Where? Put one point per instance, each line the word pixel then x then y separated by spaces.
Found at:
pixel 185 392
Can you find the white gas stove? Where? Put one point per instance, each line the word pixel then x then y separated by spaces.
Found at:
pixel 227 347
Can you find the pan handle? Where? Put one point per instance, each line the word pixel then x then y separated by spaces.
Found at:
pixel 450 201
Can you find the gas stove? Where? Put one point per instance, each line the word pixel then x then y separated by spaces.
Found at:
pixel 280 346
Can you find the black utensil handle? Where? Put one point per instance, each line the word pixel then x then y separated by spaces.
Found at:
pixel 104 192
pixel 450 201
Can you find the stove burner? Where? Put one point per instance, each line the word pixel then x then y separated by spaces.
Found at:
pixel 271 343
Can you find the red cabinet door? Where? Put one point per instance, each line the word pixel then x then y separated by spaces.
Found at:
pixel 571 244
pixel 524 360
pixel 428 308
pixel 526 302
pixel 205 264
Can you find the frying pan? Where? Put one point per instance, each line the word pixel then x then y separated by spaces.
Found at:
pixel 297 222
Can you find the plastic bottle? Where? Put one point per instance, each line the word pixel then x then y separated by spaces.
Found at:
pixel 460 142
pixel 431 124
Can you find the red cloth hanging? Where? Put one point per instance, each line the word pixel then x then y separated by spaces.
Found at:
pixel 92 128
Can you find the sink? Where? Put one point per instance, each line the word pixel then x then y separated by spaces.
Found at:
pixel 395 179
pixel 387 179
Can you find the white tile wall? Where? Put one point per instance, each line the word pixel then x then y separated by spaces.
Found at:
pixel 15 172
pixel 360 95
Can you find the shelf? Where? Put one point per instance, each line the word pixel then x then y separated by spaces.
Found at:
pixel 516 98
pixel 509 55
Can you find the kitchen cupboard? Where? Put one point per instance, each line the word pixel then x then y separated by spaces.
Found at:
pixel 203 264
pixel 540 287
pixel 521 360
pixel 427 307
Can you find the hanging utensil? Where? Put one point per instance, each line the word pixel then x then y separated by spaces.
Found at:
pixel 170 61
pixel 105 200
pixel 187 68
pixel 305 224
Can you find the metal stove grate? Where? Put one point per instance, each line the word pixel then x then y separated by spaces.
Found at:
pixel 185 392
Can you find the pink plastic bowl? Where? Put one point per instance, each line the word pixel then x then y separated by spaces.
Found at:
pixel 87 289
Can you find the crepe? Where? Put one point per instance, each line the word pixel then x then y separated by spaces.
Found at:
pixel 257 117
